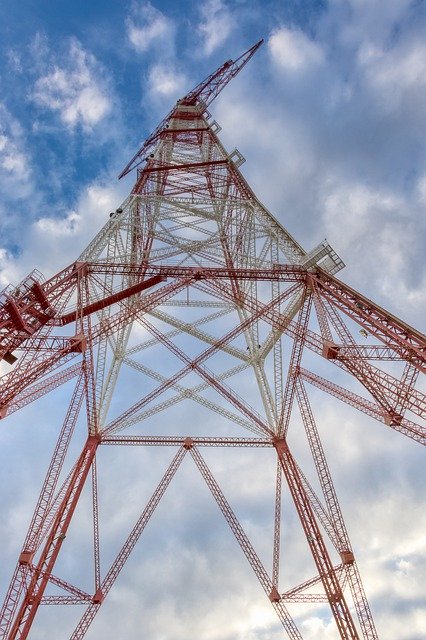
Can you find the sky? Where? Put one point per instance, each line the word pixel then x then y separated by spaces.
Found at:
pixel 330 117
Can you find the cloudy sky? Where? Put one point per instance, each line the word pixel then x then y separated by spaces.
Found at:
pixel 330 117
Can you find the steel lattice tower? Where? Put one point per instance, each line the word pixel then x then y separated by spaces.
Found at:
pixel 193 288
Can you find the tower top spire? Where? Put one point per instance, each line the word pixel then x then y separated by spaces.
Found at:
pixel 208 89
pixel 203 94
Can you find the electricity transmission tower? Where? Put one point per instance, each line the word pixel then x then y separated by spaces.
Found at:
pixel 194 295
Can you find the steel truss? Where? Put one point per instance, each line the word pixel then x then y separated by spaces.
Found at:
pixel 193 278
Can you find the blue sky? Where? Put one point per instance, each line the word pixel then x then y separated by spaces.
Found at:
pixel 330 117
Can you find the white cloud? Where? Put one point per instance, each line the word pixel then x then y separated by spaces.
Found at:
pixel 357 209
pixel 15 60
pixel 147 26
pixel 216 25
pixel 395 75
pixel 421 190
pixel 75 89
pixel 377 227
pixel 68 235
pixel 318 629
pixel 15 170
pixel 293 51
pixel 359 21
pixel 60 227
pixel 4 271
pixel 164 81
pixel 53 242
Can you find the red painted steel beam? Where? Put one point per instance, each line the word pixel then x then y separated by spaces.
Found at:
pixel 311 582
pixel 376 320
pixel 246 546
pixel 188 165
pixel 345 549
pixel 16 384
pixel 294 364
pixel 329 578
pixel 416 401
pixel 195 364
pixel 42 570
pixel 168 441
pixel 176 131
pixel 109 300
pixel 15 321
pixel 40 389
pixel 204 93
pixel 204 373
pixel 281 273
pixel 406 427
pixel 209 88
pixel 125 551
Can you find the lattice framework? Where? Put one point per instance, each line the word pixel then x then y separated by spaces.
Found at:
pixel 194 270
